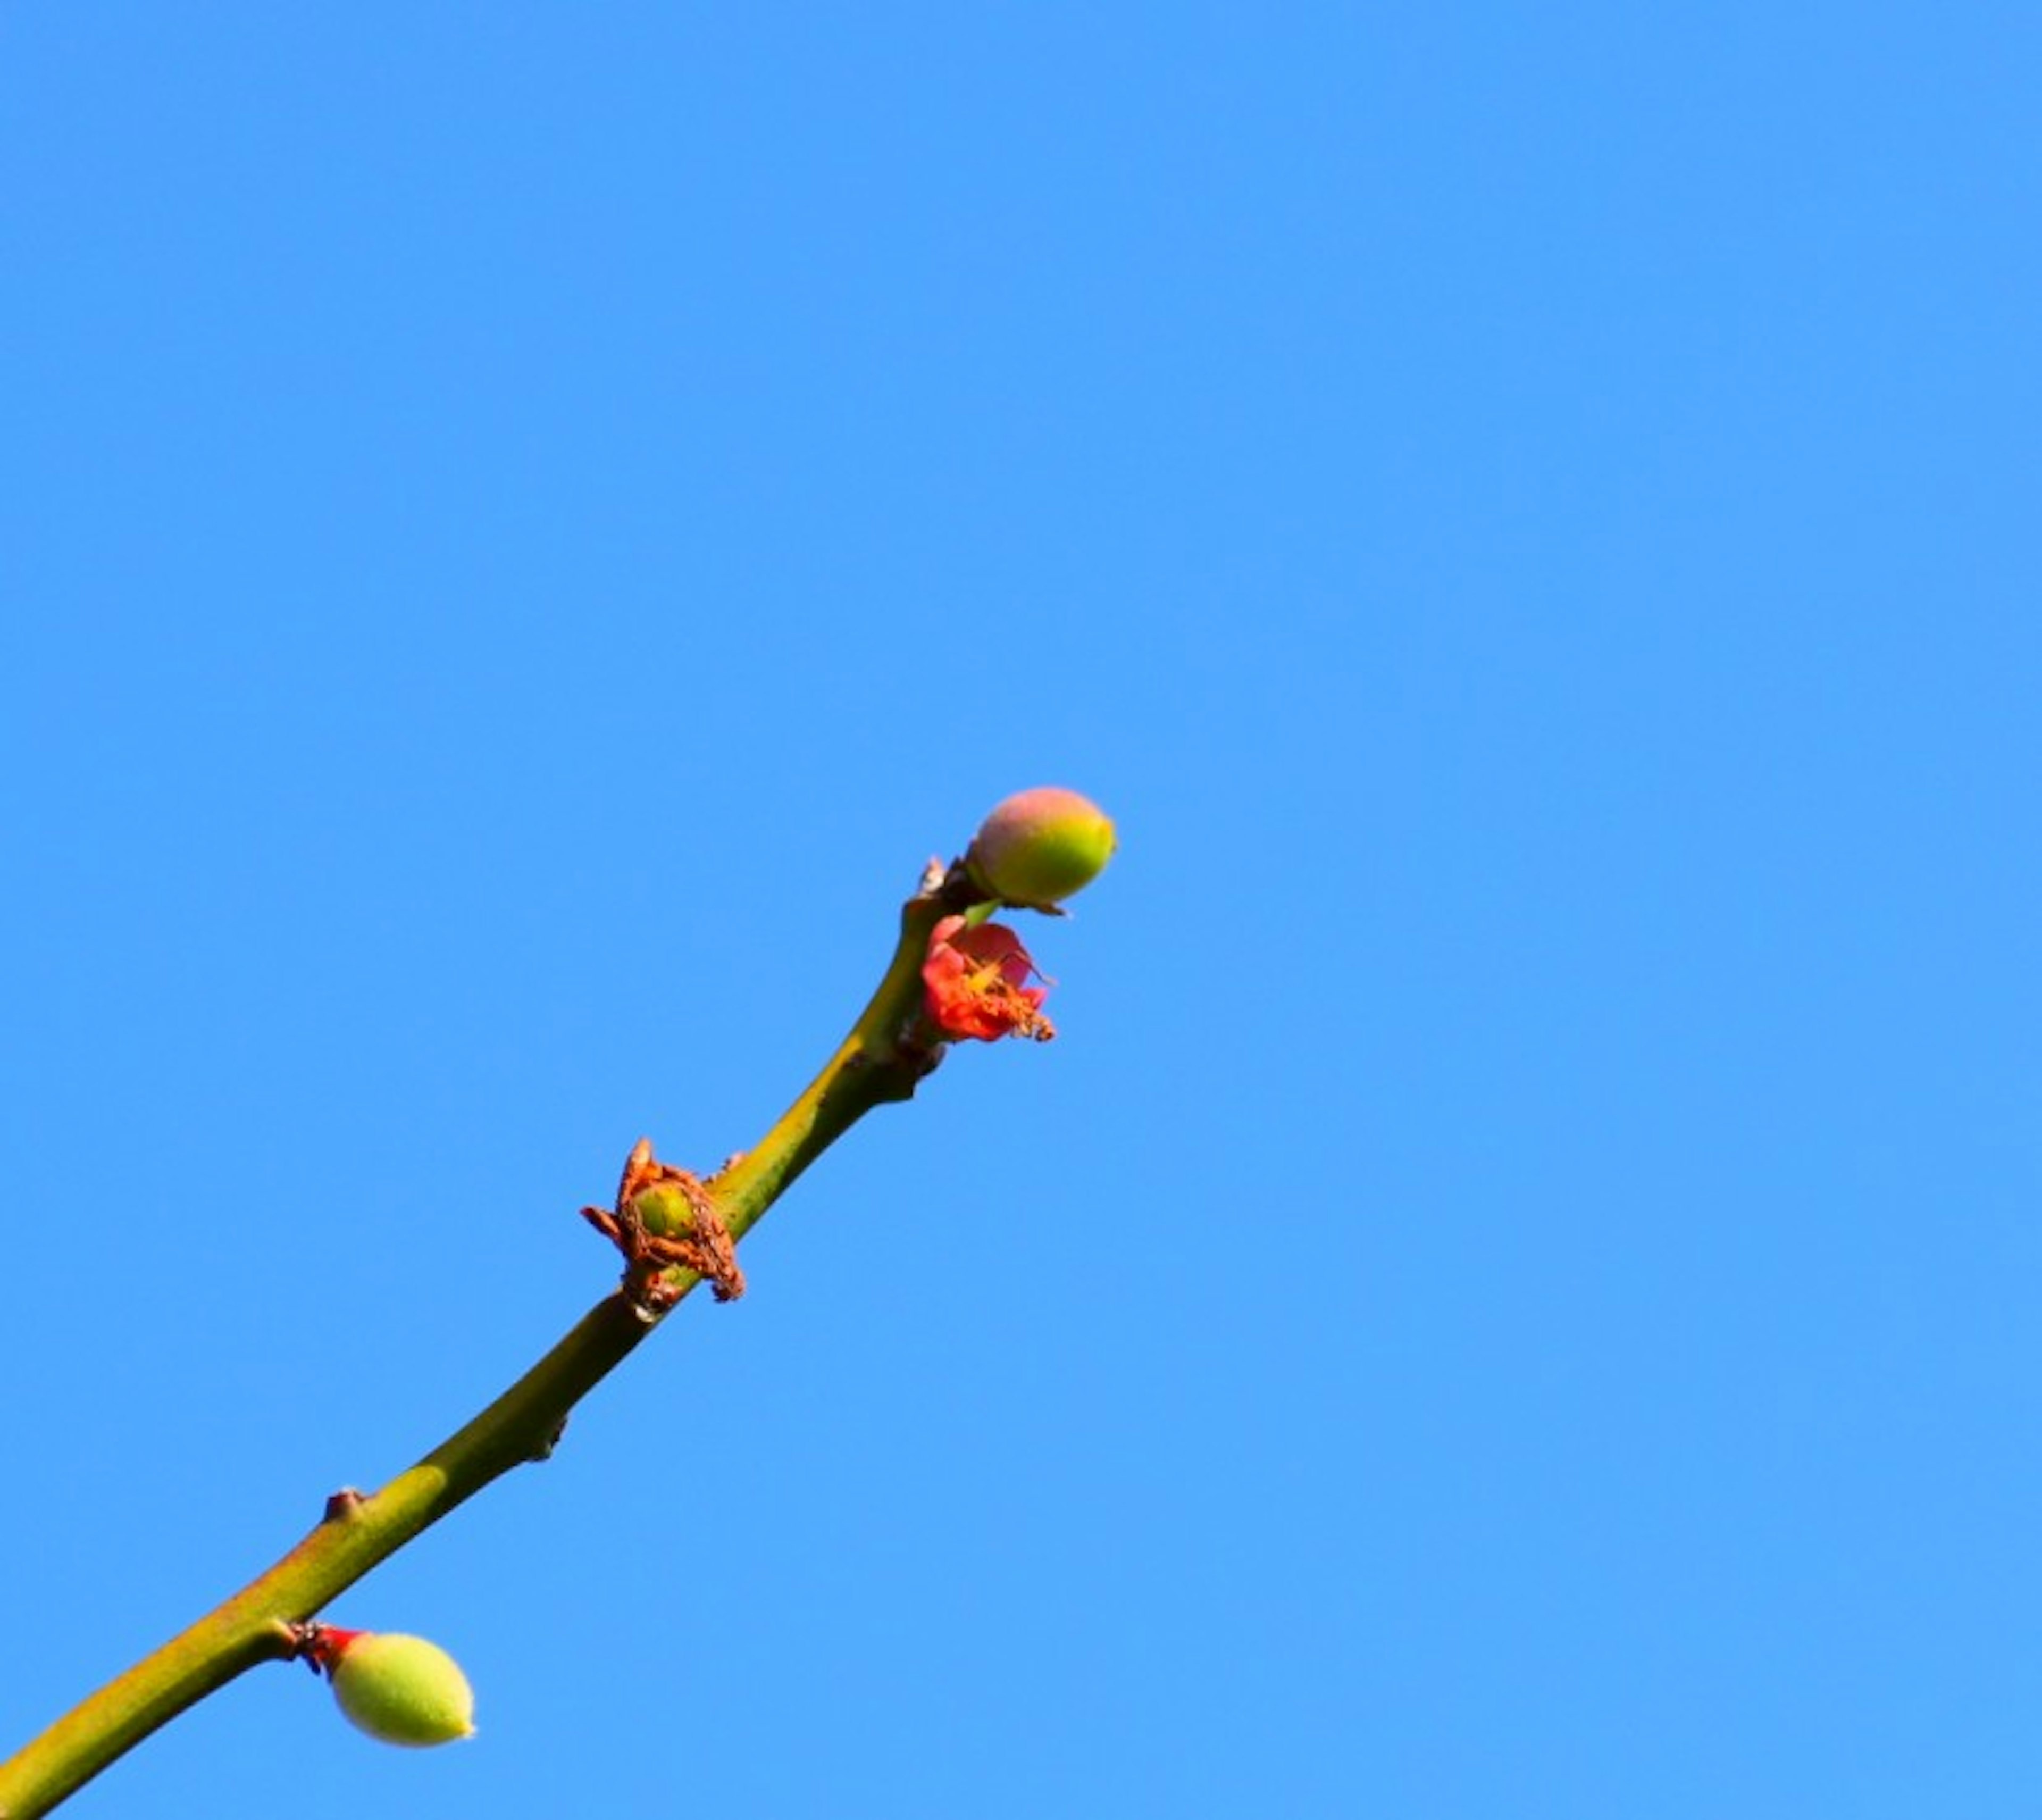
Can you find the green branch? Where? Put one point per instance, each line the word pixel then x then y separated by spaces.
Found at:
pixel 888 1050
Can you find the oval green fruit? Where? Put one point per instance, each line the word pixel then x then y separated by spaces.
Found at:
pixel 403 1690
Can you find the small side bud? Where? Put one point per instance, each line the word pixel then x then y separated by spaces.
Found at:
pixel 402 1690
pixel 1039 847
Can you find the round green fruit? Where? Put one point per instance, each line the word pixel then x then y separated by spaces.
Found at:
pixel 665 1210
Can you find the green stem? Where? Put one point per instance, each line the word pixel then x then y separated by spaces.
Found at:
pixel 869 1067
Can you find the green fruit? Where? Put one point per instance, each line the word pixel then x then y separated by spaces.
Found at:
pixel 664 1211
pixel 1038 847
pixel 403 1689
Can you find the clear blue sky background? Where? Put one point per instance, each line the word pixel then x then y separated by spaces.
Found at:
pixel 522 527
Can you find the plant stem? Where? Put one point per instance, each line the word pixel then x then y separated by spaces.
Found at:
pixel 871 1066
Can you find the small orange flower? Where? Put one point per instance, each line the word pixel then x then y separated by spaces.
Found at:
pixel 976 982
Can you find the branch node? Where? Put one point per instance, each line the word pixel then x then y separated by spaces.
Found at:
pixel 544 1451
pixel 665 1219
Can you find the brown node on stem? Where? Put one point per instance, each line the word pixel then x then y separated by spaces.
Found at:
pixel 699 1241
pixel 317 1646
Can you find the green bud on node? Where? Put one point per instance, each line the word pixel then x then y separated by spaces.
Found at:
pixel 402 1689
pixel 1038 847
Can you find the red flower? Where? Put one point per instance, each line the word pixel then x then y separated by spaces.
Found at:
pixel 976 982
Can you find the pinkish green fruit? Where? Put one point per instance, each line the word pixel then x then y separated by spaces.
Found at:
pixel 402 1689
pixel 1038 847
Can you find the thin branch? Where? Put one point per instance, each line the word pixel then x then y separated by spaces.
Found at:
pixel 880 1060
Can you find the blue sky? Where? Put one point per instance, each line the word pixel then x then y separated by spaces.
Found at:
pixel 522 528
